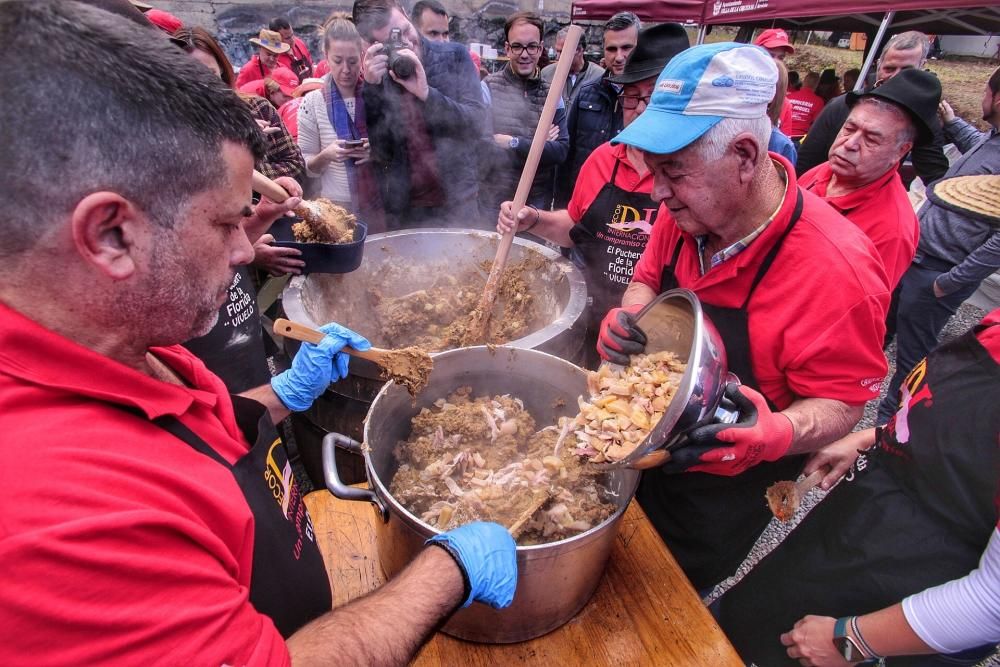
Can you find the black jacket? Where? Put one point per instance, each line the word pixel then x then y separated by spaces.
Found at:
pixel 929 159
pixel 454 112
pixel 595 117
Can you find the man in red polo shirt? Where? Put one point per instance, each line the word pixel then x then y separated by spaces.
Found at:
pixel 797 294
pixel 149 516
pixel 611 214
pixel 862 181
pixel 806 106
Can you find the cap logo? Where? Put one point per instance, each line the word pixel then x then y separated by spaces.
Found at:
pixel 670 86
pixel 723 82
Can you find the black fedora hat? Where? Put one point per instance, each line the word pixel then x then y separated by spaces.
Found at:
pixel 653 50
pixel 916 91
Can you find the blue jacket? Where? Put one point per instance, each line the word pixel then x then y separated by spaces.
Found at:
pixel 454 112
pixel 595 117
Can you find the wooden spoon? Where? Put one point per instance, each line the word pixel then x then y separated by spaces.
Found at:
pixel 541 497
pixel 332 223
pixel 784 497
pixel 409 366
pixel 478 328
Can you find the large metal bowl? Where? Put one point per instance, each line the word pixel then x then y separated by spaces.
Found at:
pixel 559 287
pixel 555 580
pixel 675 322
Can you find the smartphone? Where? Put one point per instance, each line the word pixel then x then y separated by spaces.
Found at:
pixel 352 143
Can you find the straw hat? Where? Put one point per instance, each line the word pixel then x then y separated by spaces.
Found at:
pixel 270 40
pixel 975 196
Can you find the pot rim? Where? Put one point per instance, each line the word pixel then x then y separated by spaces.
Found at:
pixel 395 507
pixel 292 295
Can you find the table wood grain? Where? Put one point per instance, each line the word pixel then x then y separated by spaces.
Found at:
pixel 643 612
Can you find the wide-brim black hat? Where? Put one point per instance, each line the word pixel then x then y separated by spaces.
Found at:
pixel 653 50
pixel 916 91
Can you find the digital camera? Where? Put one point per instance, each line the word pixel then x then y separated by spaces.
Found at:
pixel 402 66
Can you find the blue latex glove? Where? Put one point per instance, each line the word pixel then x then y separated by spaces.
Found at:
pixel 486 553
pixel 316 366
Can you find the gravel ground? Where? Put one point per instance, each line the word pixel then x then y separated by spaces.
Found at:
pixel 966 317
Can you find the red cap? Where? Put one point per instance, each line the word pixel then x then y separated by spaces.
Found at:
pixel 285 78
pixel 165 21
pixel 774 38
pixel 254 88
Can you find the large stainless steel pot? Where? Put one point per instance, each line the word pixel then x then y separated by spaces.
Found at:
pixel 555 580
pixel 559 287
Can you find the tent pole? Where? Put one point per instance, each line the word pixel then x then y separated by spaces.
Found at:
pixel 701 34
pixel 873 50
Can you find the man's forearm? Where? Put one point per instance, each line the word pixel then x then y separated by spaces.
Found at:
pixel 817 422
pixel 387 626
pixel 554 226
pixel 637 293
pixel 266 397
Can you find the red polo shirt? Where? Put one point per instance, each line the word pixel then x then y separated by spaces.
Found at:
pixel 252 71
pixel 120 544
pixel 806 105
pixel 785 117
pixel 816 320
pixel 596 173
pixel 882 210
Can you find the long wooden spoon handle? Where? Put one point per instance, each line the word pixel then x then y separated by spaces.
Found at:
pixel 297 331
pixel 269 189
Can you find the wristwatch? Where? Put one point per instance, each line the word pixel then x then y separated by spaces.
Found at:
pixel 845 644
pixel 514 142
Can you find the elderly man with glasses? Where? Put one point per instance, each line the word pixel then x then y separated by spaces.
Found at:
pixel 611 214
pixel 517 94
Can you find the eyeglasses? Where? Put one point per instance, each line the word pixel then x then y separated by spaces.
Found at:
pixel 632 101
pixel 518 49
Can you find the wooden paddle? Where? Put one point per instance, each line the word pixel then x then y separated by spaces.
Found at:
pixel 409 366
pixel 475 333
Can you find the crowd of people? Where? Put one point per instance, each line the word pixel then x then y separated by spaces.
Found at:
pixel 134 366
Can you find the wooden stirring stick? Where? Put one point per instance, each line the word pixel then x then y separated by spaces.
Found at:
pixel 541 497
pixel 409 366
pixel 475 333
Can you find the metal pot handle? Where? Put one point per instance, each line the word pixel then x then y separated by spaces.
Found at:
pixel 333 483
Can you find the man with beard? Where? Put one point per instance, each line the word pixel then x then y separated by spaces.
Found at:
pixel 167 524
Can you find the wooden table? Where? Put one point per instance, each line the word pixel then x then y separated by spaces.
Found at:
pixel 644 611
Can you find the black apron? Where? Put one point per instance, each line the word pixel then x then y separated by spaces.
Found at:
pixel 711 522
pixel 289 581
pixel 610 237
pixel 234 348
pixel 299 65
pixel 915 511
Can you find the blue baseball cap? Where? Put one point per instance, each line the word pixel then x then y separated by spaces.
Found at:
pixel 697 89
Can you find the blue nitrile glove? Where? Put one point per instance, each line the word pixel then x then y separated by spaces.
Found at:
pixel 316 366
pixel 487 555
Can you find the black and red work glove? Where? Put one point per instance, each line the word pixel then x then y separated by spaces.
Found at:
pixel 619 337
pixel 730 449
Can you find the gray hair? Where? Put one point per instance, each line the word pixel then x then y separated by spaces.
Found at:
pixel 907 41
pixel 908 133
pixel 565 31
pixel 713 144
pixel 623 21
pixel 98 103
